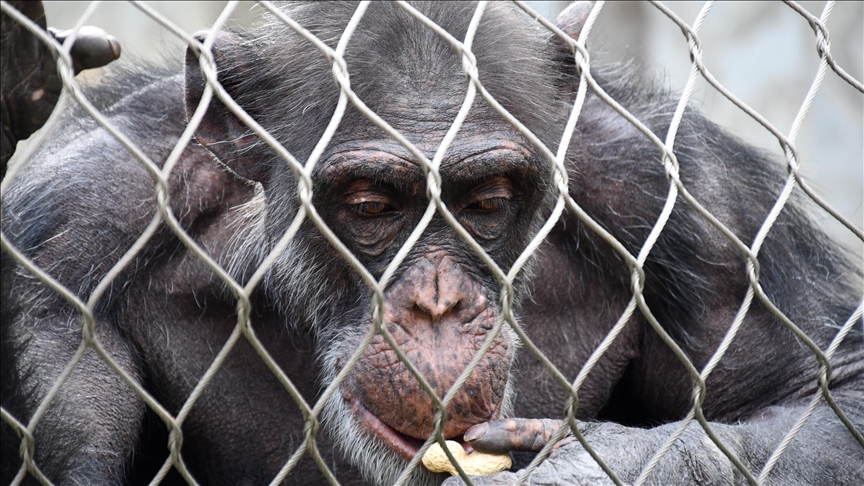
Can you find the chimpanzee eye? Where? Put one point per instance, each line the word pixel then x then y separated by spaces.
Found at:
pixel 490 195
pixel 373 207
pixel 365 198
pixel 488 204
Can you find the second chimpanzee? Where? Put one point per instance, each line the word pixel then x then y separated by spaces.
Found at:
pixel 84 200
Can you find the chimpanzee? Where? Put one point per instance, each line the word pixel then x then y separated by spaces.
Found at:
pixel 84 200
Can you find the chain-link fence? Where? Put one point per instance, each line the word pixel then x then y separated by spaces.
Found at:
pixel 312 408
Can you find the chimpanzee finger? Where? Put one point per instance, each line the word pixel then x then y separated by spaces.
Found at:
pixel 93 47
pixel 500 436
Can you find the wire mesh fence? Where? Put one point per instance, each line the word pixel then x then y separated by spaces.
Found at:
pixel 243 292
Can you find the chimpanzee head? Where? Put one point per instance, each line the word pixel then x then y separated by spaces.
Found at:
pixel 371 191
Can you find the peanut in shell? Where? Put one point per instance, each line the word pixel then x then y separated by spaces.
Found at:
pixel 474 464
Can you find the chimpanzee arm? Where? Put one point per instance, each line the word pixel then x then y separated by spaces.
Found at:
pixel 65 214
pixel 74 210
pixel 88 433
pixel 824 451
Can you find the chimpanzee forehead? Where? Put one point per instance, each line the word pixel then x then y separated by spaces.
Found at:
pixel 467 159
pixel 403 71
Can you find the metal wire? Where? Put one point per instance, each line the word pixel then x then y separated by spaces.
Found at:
pixel 242 292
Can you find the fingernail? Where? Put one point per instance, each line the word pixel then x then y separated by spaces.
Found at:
pixel 115 47
pixel 475 432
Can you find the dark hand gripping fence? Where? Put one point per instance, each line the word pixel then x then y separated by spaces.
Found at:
pixel 245 328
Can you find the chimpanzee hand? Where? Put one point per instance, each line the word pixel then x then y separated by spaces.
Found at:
pixel 693 458
pixel 572 465
pixel 626 451
pixel 28 71
pixel 500 436
pixel 569 465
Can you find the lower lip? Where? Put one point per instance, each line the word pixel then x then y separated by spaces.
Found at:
pixel 401 443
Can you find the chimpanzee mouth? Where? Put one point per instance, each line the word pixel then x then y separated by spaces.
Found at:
pixel 401 443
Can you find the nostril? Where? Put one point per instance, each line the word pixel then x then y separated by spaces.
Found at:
pixel 423 310
pixel 448 305
pixel 441 288
pixel 437 310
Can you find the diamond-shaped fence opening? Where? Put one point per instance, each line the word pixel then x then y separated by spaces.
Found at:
pixel 95 344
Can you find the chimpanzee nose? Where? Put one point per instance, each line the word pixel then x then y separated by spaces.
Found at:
pixel 442 288
pixel 438 304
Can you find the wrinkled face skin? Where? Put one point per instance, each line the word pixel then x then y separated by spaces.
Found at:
pixel 442 300
pixel 441 303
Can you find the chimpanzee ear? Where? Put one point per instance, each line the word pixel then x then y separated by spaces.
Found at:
pixel 573 18
pixel 221 132
pixel 571 21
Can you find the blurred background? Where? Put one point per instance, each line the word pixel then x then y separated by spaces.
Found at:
pixel 763 52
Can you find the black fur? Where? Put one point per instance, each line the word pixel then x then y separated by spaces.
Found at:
pixel 84 200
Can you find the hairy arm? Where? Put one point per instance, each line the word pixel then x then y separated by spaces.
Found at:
pixel 823 452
